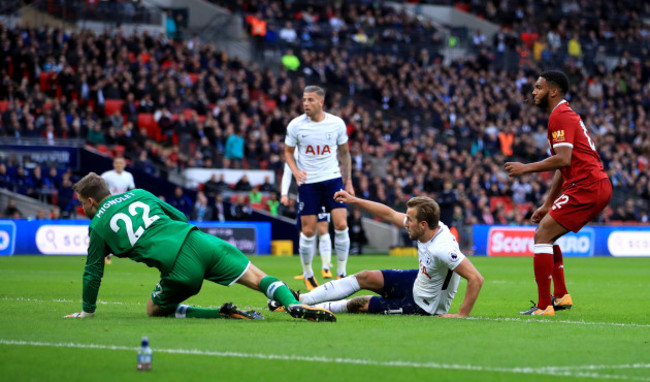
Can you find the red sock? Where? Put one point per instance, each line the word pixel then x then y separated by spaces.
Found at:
pixel 543 264
pixel 559 286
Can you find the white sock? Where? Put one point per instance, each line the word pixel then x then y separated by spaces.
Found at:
pixel 325 250
pixel 181 310
pixel 342 245
pixel 306 250
pixel 340 306
pixel 332 290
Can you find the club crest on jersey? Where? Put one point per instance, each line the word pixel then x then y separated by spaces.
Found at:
pixel 318 150
pixel 558 136
pixel 329 136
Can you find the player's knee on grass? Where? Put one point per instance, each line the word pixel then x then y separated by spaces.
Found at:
pixel 359 304
pixel 371 280
pixel 154 310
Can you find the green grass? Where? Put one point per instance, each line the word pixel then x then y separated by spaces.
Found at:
pixel 605 336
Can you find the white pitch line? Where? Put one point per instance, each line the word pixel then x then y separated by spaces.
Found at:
pixel 554 371
pixel 513 319
pixel 551 321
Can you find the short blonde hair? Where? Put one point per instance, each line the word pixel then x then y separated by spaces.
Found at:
pixel 427 210
pixel 92 186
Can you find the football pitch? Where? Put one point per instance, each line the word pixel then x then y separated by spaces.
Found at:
pixel 606 336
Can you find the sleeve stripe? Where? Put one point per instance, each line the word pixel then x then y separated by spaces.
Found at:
pixel 563 145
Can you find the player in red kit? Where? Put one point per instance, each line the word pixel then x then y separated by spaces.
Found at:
pixel 579 192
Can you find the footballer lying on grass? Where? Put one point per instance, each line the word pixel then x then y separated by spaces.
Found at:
pixel 428 290
pixel 137 225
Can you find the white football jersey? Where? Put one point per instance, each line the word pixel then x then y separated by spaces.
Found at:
pixel 436 284
pixel 118 183
pixel 317 143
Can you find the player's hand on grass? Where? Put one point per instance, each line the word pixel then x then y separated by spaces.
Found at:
pixel 81 314
pixel 515 168
pixel 539 214
pixel 455 315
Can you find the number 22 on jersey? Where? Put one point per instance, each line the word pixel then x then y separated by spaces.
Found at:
pixel 128 222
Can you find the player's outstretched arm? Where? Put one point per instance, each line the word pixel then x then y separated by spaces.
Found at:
pixel 474 282
pixel 562 158
pixel 379 210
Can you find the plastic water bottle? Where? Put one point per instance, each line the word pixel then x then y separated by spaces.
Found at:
pixel 145 356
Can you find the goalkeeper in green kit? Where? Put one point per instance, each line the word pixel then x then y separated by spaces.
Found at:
pixel 138 225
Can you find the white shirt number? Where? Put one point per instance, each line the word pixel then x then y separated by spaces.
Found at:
pixel 128 223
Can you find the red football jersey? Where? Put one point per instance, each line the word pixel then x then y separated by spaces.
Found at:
pixel 565 128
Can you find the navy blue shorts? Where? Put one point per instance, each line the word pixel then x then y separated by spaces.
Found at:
pixel 322 217
pixel 397 296
pixel 314 196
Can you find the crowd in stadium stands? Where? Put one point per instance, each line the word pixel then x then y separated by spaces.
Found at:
pixel 416 126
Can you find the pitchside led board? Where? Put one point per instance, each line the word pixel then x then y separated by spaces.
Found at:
pixel 589 241
pixel 70 237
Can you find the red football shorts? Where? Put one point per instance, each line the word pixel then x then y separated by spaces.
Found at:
pixel 579 205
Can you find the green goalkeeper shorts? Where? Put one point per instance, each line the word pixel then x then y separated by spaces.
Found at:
pixel 202 256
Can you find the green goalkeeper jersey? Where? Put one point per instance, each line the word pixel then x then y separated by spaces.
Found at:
pixel 137 225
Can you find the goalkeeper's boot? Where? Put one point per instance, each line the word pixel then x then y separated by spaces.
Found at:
pixel 311 283
pixel 327 274
pixel 536 311
pixel 310 313
pixel 562 303
pixel 299 277
pixel 276 306
pixel 230 310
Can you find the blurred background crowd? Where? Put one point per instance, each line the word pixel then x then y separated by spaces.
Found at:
pixel 420 122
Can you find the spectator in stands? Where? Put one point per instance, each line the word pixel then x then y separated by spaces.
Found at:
pixel 181 201
pixel 38 183
pixel 288 34
pixel 267 186
pixel 255 198
pixel 357 234
pixel 143 163
pixel 234 149
pixel 239 210
pixel 219 210
pixel 5 179
pixel 273 204
pixel 22 183
pixel 243 184
pixel 40 214
pixel 12 212
pixel 202 210
pixel 118 179
pixel 66 200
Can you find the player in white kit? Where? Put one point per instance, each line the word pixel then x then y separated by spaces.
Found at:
pixel 119 180
pixel 322 226
pixel 428 290
pixel 321 139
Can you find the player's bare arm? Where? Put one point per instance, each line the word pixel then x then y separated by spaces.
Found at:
pixel 554 193
pixel 379 210
pixel 562 158
pixel 343 155
pixel 474 283
pixel 301 176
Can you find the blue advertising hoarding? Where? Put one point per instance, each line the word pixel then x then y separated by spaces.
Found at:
pixel 623 241
pixel 70 237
